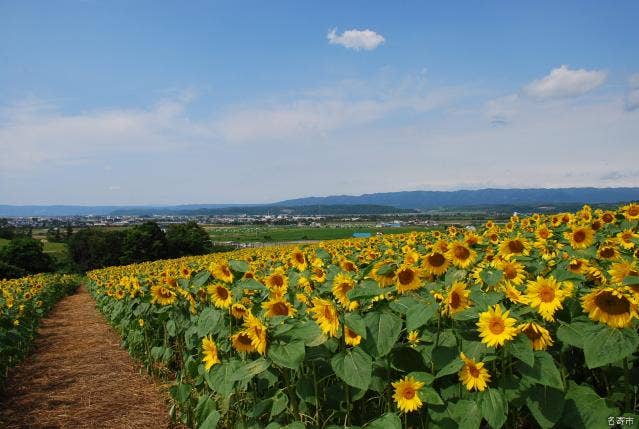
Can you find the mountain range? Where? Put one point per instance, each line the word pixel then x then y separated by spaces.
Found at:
pixel 367 203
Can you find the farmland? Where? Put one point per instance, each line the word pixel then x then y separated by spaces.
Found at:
pixel 533 322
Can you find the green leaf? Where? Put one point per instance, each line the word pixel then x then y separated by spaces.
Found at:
pixel 607 345
pixel 181 392
pixel 200 278
pixel 564 275
pixel 419 313
pixel 354 367
pixel 430 396
pixel 491 276
pixel 251 284
pixel 385 269
pixel 307 331
pixel 543 372
pixel 294 425
pixel 171 328
pixel 211 420
pixel 494 407
pixel 387 421
pixel 280 402
pixel 406 359
pixel 365 289
pixel 251 369
pixel 521 348
pixel 585 409
pixel 208 321
pixel 451 368
pixel 570 334
pixel 545 404
pixel 446 360
pixel 356 324
pixel 631 280
pixel 466 413
pixel 382 331
pixel 205 406
pixel 287 354
pixel 239 266
pixel 220 377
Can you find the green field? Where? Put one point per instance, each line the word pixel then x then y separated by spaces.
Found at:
pixel 295 233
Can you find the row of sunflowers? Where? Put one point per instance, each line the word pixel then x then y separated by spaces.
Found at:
pixel 531 323
pixel 23 302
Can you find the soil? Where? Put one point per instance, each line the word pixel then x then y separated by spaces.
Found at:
pixel 79 376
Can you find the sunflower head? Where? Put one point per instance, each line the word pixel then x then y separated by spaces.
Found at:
pixel 614 307
pixel 209 350
pixel 351 338
pixel 496 327
pixel 242 342
pixel 460 254
pixel 473 374
pixel 406 394
pixel 457 299
pixel 326 316
pixel 221 296
pixel 537 334
pixel 407 278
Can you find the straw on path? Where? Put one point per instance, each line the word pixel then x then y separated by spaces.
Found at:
pixel 80 377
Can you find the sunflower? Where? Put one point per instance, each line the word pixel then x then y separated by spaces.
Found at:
pixel 473 374
pixel 413 338
pixel 435 263
pixel 460 255
pixel 625 238
pixel 220 295
pixel 277 281
pixel 278 307
pixel 514 272
pixel 242 342
pixel 221 271
pixel 318 275
pixel 514 295
pixel 607 251
pixel 620 270
pixel 514 247
pixel 580 237
pixel 537 334
pixel 325 315
pixel 256 331
pixel 608 217
pixel 162 295
pixel 238 311
pixel 342 283
pixel 546 296
pixel 347 265
pixel 543 233
pixel 631 211
pixel 410 256
pixel 578 266
pixel 406 394
pixel 351 338
pixel 610 306
pixel 495 327
pixel 385 279
pixel 407 279
pixel 298 260
pixel 457 299
pixel 209 350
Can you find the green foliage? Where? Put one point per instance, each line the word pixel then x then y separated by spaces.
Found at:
pixel 24 255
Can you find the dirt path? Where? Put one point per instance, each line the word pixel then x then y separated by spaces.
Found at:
pixel 80 377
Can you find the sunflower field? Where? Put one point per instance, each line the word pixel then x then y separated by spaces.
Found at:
pixel 531 323
pixel 23 302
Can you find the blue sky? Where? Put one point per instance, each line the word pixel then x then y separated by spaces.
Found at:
pixel 193 102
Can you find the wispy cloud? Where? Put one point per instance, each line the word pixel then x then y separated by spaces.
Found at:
pixel 563 82
pixel 357 40
pixel 632 95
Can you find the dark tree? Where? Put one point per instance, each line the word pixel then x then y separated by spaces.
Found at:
pixel 26 253
pixel 92 248
pixel 187 239
pixel 6 230
pixel 145 242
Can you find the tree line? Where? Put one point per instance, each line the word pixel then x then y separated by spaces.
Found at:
pixel 91 248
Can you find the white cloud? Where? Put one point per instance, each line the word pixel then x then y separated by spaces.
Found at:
pixel 632 96
pixel 563 82
pixel 356 39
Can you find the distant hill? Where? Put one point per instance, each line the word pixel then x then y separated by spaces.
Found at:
pixel 481 197
pixel 379 203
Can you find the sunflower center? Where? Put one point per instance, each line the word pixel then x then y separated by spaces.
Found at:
pixel 474 371
pixel 532 333
pixel 462 253
pixel 345 287
pixel 328 314
pixel 165 293
pixel 607 252
pixel 544 233
pixel 244 339
pixel 406 276
pixel 607 217
pixel 516 246
pixel 611 304
pixel 546 294
pixel 279 309
pixel 579 236
pixel 626 237
pixel 222 293
pixel 436 260
pixel 299 258
pixel 225 270
pixel 409 393
pixel 497 326
pixel 277 280
pixel 349 266
pixel 455 300
pixel 596 225
pixel 510 272
pixel 633 211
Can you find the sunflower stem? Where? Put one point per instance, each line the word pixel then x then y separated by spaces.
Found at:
pixel 626 391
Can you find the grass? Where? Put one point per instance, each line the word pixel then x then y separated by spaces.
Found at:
pixel 294 233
